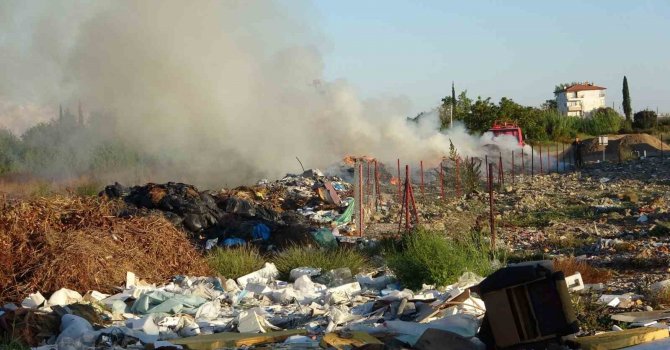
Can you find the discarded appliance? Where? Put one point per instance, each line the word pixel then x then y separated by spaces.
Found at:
pixel 527 306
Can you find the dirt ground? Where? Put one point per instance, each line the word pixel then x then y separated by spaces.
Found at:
pixel 608 214
pixel 635 143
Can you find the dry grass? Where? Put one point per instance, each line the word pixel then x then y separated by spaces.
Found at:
pixel 27 185
pixel 660 299
pixel 589 273
pixel 79 243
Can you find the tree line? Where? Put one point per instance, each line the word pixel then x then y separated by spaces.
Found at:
pixel 546 122
pixel 67 146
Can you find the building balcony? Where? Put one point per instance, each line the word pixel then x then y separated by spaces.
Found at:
pixel 576 108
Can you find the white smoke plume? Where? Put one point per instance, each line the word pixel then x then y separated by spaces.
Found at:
pixel 226 92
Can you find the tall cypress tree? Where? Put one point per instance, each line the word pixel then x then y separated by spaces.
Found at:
pixel 626 99
pixel 453 97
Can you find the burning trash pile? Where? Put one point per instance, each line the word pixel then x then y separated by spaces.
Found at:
pixel 305 208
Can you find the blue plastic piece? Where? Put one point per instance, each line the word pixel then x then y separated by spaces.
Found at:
pixel 261 231
pixel 232 242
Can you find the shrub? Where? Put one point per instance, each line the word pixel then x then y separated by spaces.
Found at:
pixel 589 273
pixel 644 119
pixel 659 298
pixel 469 172
pixel 626 127
pixel 88 188
pixel 8 343
pixel 430 258
pixel 235 262
pixel 298 256
pixel 9 151
pixel 590 313
pixel 602 121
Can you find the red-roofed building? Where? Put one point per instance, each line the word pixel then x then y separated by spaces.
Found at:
pixel 579 100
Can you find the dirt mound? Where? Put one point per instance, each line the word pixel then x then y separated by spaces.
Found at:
pixel 80 243
pixel 633 142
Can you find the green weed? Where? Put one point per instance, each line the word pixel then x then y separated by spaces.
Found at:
pixel 298 256
pixel 542 218
pixel 7 343
pixel 235 262
pixel 430 258
pixel 590 313
pixel 88 189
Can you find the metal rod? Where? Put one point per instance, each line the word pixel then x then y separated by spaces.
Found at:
pixel 399 181
pixel 361 212
pixel 368 188
pixel 541 170
pixel 303 168
pixel 512 167
pixel 377 189
pixel 501 172
pixel 563 156
pixel 548 159
pixel 414 211
pixel 491 209
pixel 557 158
pixel 402 209
pixel 421 165
pixel 458 176
pixel 442 178
pixel 408 185
pixel 523 165
pixel 532 161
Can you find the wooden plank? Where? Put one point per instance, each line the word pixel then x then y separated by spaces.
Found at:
pixel 621 339
pixel 424 317
pixel 353 340
pixel 231 339
pixel 333 194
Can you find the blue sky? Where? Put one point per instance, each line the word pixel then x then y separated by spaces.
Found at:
pixel 519 49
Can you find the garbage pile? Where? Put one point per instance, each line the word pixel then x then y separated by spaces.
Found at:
pixel 331 308
pixel 295 209
pixel 522 306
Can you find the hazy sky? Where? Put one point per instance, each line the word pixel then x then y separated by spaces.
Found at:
pixel 518 49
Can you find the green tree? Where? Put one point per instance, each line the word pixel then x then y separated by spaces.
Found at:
pixel 461 107
pixel 10 151
pixel 482 114
pixel 645 119
pixel 560 87
pixel 602 121
pixel 627 110
pixel 453 95
pixel 549 105
pixel 509 110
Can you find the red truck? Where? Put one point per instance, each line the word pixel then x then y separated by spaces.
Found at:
pixel 506 128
